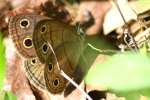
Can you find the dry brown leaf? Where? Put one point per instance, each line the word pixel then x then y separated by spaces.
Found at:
pixel 97 10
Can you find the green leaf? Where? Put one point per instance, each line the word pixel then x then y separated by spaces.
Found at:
pixel 135 95
pixel 2 95
pixel 130 95
pixel 144 2
pixel 6 95
pixel 2 62
pixel 9 96
pixel 122 72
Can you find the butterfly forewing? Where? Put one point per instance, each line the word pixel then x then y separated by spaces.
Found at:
pixel 21 28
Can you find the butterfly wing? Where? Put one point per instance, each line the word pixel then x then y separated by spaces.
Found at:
pixel 21 29
pixel 35 72
pixel 67 46
pixel 55 83
pixel 55 33
pixel 52 71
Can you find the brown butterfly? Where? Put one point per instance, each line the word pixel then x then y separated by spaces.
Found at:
pixel 56 42
pixel 21 29
pixel 35 72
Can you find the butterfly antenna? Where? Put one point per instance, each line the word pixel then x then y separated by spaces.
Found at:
pixel 67 77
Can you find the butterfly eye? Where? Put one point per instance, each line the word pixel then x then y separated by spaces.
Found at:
pixel 50 66
pixel 44 48
pixel 33 61
pixel 43 29
pixel 27 42
pixel 56 82
pixel 24 23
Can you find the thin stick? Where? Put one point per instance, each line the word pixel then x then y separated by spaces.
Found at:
pixel 102 51
pixel 126 26
pixel 75 84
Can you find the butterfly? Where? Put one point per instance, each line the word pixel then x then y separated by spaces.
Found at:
pixel 21 28
pixel 59 47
